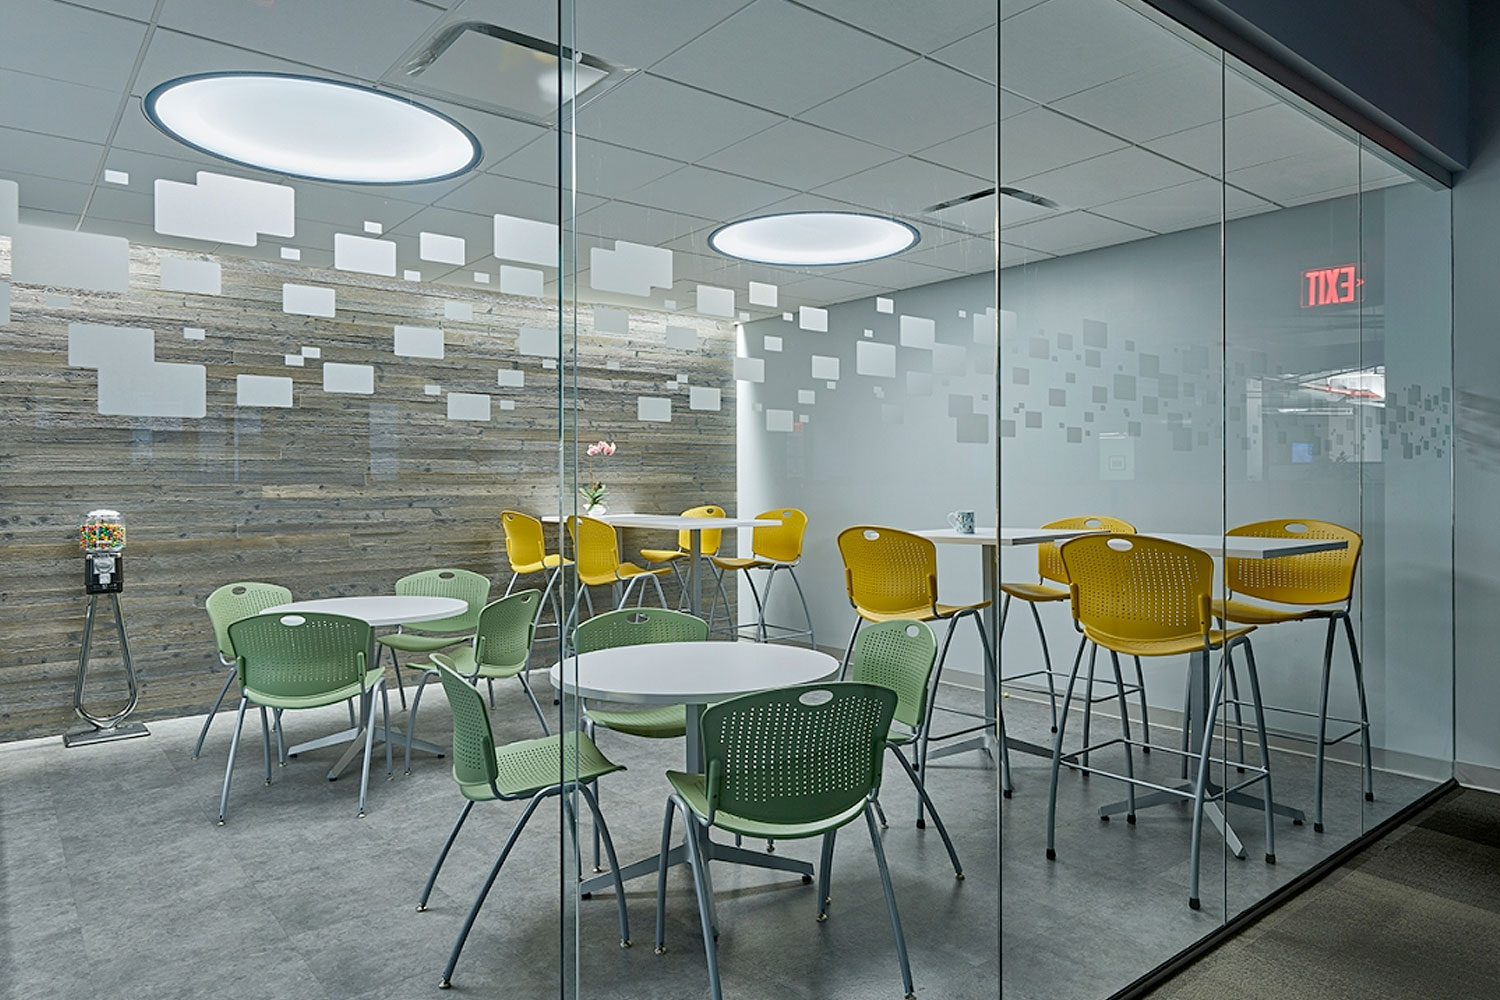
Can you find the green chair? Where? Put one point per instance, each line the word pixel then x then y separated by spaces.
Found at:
pixel 501 649
pixel 296 661
pixel 787 764
pixel 900 655
pixel 529 769
pixel 226 606
pixel 468 587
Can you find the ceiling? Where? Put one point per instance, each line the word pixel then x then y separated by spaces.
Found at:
pixel 733 108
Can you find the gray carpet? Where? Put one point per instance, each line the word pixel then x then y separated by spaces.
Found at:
pixel 1416 916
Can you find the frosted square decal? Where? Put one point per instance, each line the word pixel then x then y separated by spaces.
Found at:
pixel 432 390
pixel 469 406
pixel 877 360
pixel 702 398
pixel 918 383
pixel 441 249
pixel 263 390
pixel 526 240
pixel 918 332
pixel 223 209
pixel 364 255
pixel 890 414
pixel 816 320
pixel 612 365
pixel 117 177
pixel 1095 333
pixel 355 379
pixel 538 342
pixel 72 260
pixel 787 317
pixel 549 363
pixel 482 277
pixel 985 326
pixel 525 281
pixel 307 300
pixel 56 301
pixel 462 311
pixel 513 378
pixel 294 360
pixel 291 253
pixel 669 304
pixel 773 344
pixel 312 352
pixel 682 338
pixel 507 404
pixel 801 418
pixel 630 269
pixel 200 277
pixel 657 409
pixel 1007 323
pixel 974 428
pixel 825 367
pixel 807 397
pixel 744 316
pixel 4 303
pixel 714 301
pixel 763 294
pixel 949 359
pixel 193 333
pixel 419 342
pixel 750 369
pixel 1116 457
pixel 373 228
pixel 779 421
pixel 132 383
pixel 10 199
pixel 885 305
pixel 608 320
pixel 411 275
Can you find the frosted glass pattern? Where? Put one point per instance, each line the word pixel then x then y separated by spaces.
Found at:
pixel 223 209
pixel 200 277
pixel 263 390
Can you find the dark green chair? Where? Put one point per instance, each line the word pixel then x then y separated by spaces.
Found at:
pixel 225 606
pixel 296 661
pixel 461 584
pixel 529 769
pixel 787 764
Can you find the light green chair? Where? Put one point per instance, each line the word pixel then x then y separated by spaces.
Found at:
pixel 471 588
pixel 296 661
pixel 788 764
pixel 900 655
pixel 501 649
pixel 225 606
pixel 529 769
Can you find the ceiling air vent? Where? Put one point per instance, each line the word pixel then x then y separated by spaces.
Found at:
pixel 975 212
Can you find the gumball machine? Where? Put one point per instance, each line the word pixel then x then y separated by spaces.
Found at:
pixel 101 535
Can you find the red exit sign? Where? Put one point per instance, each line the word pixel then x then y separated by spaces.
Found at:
pixel 1331 286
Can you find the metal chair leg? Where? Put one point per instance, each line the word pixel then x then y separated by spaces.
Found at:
pixel 958 869
pixel 661 876
pixel 443 855
pixel 1239 716
pixel 1088 706
pixel 411 717
pixel 1322 730
pixel 849 649
pixel 766 603
pixel 1187 723
pixel 228 681
pixel 890 904
pixel 699 865
pixel 811 639
pixel 1114 659
pixel 1265 748
pixel 1364 711
pixel 1041 634
pixel 535 705
pixel 1057 743
pixel 1200 784
pixel 265 742
pixel 369 721
pixel 1140 691
pixel 614 863
pixel 234 746
pixel 825 870
pixel 937 677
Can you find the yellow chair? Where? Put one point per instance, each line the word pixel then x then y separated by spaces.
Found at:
pixel 774 548
pixel 1142 596
pixel 596 551
pixel 891 575
pixel 526 551
pixel 708 547
pixel 1317 578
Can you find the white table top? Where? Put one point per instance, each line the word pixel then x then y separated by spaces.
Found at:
pixel 676 522
pixel 697 673
pixel 381 610
pixel 1007 536
pixel 1233 546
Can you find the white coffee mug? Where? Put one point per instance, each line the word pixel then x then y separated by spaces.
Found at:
pixel 962 521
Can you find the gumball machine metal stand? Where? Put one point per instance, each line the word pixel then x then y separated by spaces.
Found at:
pixel 102 538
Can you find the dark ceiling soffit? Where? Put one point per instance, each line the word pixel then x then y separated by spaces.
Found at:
pixel 1252 46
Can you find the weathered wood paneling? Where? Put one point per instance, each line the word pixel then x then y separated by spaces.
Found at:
pixel 339 495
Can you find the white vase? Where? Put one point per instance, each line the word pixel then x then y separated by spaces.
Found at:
pixel 595 510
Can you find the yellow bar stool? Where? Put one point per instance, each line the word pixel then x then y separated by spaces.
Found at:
pixel 774 548
pixel 1050 570
pixel 891 575
pixel 1317 578
pixel 526 551
pixel 1142 596
pixel 596 550
pixel 708 547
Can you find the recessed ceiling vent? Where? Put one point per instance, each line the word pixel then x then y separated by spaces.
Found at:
pixel 490 68
pixel 974 212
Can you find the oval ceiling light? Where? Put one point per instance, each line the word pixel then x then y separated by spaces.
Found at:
pixel 799 239
pixel 307 127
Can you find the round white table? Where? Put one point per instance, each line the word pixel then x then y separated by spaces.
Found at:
pixel 379 610
pixel 695 674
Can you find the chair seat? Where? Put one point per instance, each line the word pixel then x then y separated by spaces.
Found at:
pixel 736 563
pixel 694 791
pixel 315 700
pixel 663 555
pixel 548 562
pixel 921 614
pixel 528 766
pixel 1245 613
pixel 1035 592
pixel 1165 647
pixel 659 723
pixel 462 660
pixel 411 642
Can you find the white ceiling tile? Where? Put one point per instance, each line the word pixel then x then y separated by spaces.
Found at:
pixel 923 27
pixel 120 205
pixel 1010 8
pixel 48 156
pixel 48 194
pixel 617 220
pixel 1270 133
pixel 1296 179
pixel 170 54
pixel 668 119
pixel 904 186
pixel 896 272
pixel 601 168
pixel 1110 177
pixel 348 206
pixel 800 156
pixel 139 10
pixel 498 137
pixel 1012 256
pixel 825 291
pixel 1196 203
pixel 1154 102
pixel 634 34
pixel 978 54
pixel 477 231
pixel 911 108
pixel 1200 147
pixel 803 41
pixel 1014 211
pixel 1064 46
pixel 974 153
pixel 709 194
pixel 486 194
pixel 1013 104
pixel 969 255
pixel 1042 139
pixel 67 43
pixel 37 104
pixel 1072 232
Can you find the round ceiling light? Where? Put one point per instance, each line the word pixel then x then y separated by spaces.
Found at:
pixel 306 127
pixel 799 239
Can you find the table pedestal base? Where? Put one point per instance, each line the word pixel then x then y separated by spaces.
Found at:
pixel 1210 809
pixel 715 852
pixel 351 736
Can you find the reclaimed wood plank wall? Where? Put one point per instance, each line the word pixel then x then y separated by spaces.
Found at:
pixel 338 495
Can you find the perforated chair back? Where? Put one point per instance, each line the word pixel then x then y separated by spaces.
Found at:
pixel 712 537
pixel 898 655
pixel 637 627
pixel 595 547
pixel 525 541
pixel 888 571
pixel 471 588
pixel 1049 565
pixel 1314 578
pixel 506 630
pixel 300 655
pixel 473 739
pixel 796 755
pixel 780 543
pixel 1138 589
pixel 235 601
